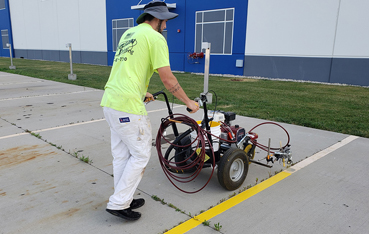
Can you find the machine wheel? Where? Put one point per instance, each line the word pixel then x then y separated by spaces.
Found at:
pixel 232 169
pixel 184 153
pixel 250 151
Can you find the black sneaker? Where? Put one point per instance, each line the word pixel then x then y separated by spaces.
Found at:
pixel 125 214
pixel 137 203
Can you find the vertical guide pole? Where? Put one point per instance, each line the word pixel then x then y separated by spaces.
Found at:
pixel 206 69
pixel 11 56
pixel 70 58
pixel 71 76
pixel 206 46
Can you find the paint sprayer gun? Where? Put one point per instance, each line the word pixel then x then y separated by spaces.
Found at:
pixel 283 154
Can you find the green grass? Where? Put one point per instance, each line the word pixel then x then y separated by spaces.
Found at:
pixel 335 108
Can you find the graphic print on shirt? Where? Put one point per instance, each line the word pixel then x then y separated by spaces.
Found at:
pixel 125 47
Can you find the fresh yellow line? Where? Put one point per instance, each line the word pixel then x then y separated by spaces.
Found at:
pixel 211 213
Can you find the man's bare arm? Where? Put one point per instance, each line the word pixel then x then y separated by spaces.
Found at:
pixel 171 84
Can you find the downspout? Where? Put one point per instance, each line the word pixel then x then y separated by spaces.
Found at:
pixel 334 41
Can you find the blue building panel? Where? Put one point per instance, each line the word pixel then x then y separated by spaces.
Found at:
pixel 181 34
pixel 219 64
pixel 296 68
pixel 353 71
pixel 176 61
pixel 118 10
pixel 5 24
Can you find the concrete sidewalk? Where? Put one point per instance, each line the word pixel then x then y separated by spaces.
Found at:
pixel 44 188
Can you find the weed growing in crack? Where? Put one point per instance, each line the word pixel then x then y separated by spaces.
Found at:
pixel 155 198
pixel 75 154
pixel 85 159
pixel 172 206
pixel 232 195
pixel 222 200
pixel 276 172
pixel 206 223
pixel 217 226
pixel 35 134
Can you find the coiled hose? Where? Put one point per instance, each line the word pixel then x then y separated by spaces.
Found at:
pixel 175 166
pixel 265 148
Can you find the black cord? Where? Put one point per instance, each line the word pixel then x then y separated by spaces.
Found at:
pixel 172 101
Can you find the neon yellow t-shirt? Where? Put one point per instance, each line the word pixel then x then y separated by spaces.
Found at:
pixel 140 52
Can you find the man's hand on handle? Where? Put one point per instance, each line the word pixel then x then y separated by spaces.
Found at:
pixel 149 97
pixel 192 106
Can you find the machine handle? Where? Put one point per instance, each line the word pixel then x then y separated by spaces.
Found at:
pixel 147 101
pixel 199 104
pixel 157 93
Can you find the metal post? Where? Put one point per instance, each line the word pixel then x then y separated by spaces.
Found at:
pixel 11 56
pixel 206 46
pixel 71 76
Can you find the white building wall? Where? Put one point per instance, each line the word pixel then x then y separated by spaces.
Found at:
pixel 51 24
pixel 352 40
pixel 24 31
pixel 314 28
pixel 291 27
pixel 48 23
pixel 93 25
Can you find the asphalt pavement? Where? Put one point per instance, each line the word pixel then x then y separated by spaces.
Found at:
pixel 48 128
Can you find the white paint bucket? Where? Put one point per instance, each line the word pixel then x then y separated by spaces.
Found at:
pixel 214 130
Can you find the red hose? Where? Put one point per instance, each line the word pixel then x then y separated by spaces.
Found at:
pixel 263 147
pixel 169 166
pixel 202 140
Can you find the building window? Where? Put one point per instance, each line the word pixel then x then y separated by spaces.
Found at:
pixel 119 27
pixel 2 4
pixel 216 27
pixel 5 38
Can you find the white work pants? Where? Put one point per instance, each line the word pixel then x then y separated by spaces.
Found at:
pixel 131 149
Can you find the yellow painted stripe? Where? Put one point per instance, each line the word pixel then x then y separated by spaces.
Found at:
pixel 211 213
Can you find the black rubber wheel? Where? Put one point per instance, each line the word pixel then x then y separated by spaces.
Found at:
pixel 233 168
pixel 182 153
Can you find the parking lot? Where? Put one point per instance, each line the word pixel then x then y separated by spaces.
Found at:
pixel 46 126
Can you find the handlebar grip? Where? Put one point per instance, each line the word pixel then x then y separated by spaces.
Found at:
pixel 157 93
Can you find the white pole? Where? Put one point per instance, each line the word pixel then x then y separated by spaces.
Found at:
pixel 206 46
pixel 70 58
pixel 71 76
pixel 11 56
pixel 206 70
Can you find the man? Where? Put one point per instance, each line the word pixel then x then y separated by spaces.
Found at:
pixel 141 51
